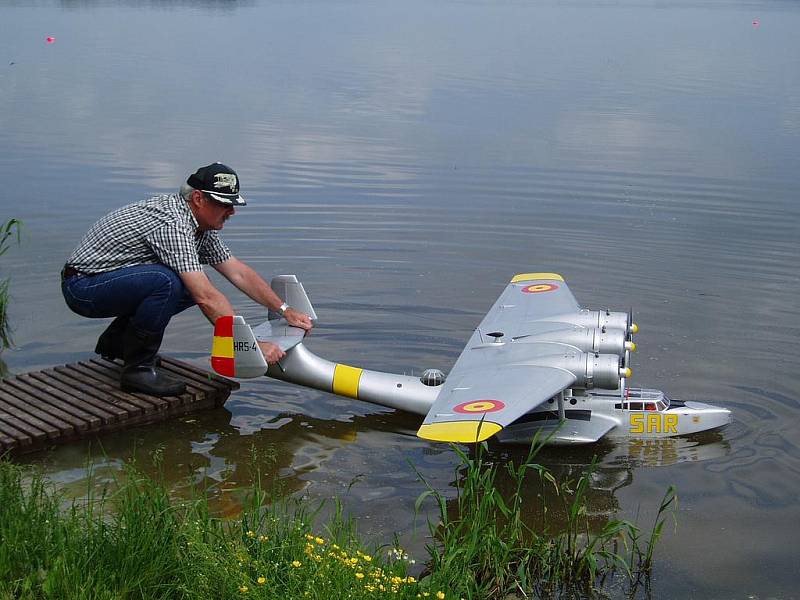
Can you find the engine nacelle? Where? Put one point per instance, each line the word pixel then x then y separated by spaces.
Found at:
pixel 603 371
pixel 592 339
pixel 602 319
pixel 590 370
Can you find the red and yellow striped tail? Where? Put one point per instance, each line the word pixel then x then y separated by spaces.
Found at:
pixel 222 356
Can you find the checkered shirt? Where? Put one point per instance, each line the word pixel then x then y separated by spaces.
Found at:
pixel 160 230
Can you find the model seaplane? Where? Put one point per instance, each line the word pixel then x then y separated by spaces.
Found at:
pixel 537 363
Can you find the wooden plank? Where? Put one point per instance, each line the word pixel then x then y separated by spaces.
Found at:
pixel 201 375
pixel 58 416
pixel 118 408
pixel 40 419
pixel 25 434
pixel 218 387
pixel 75 400
pixel 150 403
pixel 80 418
pixel 204 378
pixel 193 393
pixel 6 442
pixel 71 374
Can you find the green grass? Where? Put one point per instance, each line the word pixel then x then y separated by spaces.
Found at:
pixel 136 541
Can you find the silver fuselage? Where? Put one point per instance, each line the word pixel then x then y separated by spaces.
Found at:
pixel 623 413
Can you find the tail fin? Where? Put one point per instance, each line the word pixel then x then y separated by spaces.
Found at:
pixel 235 352
pixel 292 292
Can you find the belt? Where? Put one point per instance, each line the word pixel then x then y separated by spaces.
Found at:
pixel 69 271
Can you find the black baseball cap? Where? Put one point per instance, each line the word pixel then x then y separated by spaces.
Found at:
pixel 218 181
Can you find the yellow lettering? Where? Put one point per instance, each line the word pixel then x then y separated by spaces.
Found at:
pixel 670 423
pixel 653 423
pixel 637 423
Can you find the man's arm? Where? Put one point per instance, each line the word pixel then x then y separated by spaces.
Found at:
pixel 211 301
pixel 214 304
pixel 252 284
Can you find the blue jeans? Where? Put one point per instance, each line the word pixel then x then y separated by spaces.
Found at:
pixel 149 295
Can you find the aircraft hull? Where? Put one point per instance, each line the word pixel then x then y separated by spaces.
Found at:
pixel 590 414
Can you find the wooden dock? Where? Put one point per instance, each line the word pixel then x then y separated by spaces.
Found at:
pixel 83 399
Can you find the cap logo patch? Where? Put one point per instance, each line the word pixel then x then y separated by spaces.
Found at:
pixel 226 180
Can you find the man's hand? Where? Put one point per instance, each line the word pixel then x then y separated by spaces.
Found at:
pixel 271 352
pixel 297 319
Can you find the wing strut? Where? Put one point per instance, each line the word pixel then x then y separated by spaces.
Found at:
pixel 561 414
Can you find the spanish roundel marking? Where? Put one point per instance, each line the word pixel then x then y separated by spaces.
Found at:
pixel 538 288
pixel 479 406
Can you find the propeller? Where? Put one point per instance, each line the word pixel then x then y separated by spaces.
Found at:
pixel 630 346
pixel 632 327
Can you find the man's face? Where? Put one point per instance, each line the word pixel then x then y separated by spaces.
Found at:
pixel 209 213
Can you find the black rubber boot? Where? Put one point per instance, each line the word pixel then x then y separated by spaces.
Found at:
pixel 110 344
pixel 139 373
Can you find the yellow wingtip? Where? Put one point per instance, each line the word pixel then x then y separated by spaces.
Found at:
pixel 536 277
pixel 464 432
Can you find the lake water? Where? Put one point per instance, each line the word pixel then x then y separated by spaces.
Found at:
pixel 405 160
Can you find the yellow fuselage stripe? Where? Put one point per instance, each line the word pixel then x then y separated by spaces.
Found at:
pixel 345 380
pixel 536 277
pixel 222 347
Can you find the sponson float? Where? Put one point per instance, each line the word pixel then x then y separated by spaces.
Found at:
pixel 537 363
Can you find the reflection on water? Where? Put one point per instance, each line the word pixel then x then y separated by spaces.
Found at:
pixel 407 160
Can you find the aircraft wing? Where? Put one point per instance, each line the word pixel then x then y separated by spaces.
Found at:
pixel 478 403
pixel 528 298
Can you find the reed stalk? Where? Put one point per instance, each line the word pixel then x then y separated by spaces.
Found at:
pixel 8 231
pixel 483 548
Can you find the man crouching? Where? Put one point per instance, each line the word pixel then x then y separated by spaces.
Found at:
pixel 142 264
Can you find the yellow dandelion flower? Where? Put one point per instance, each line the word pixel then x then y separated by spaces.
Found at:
pixel 251 534
pixel 354 561
pixel 262 538
pixel 319 540
pixel 366 557
pixel 309 537
pixel 440 595
pixel 243 589
pixel 359 575
pixel 410 579
pixel 296 564
pixel 261 580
